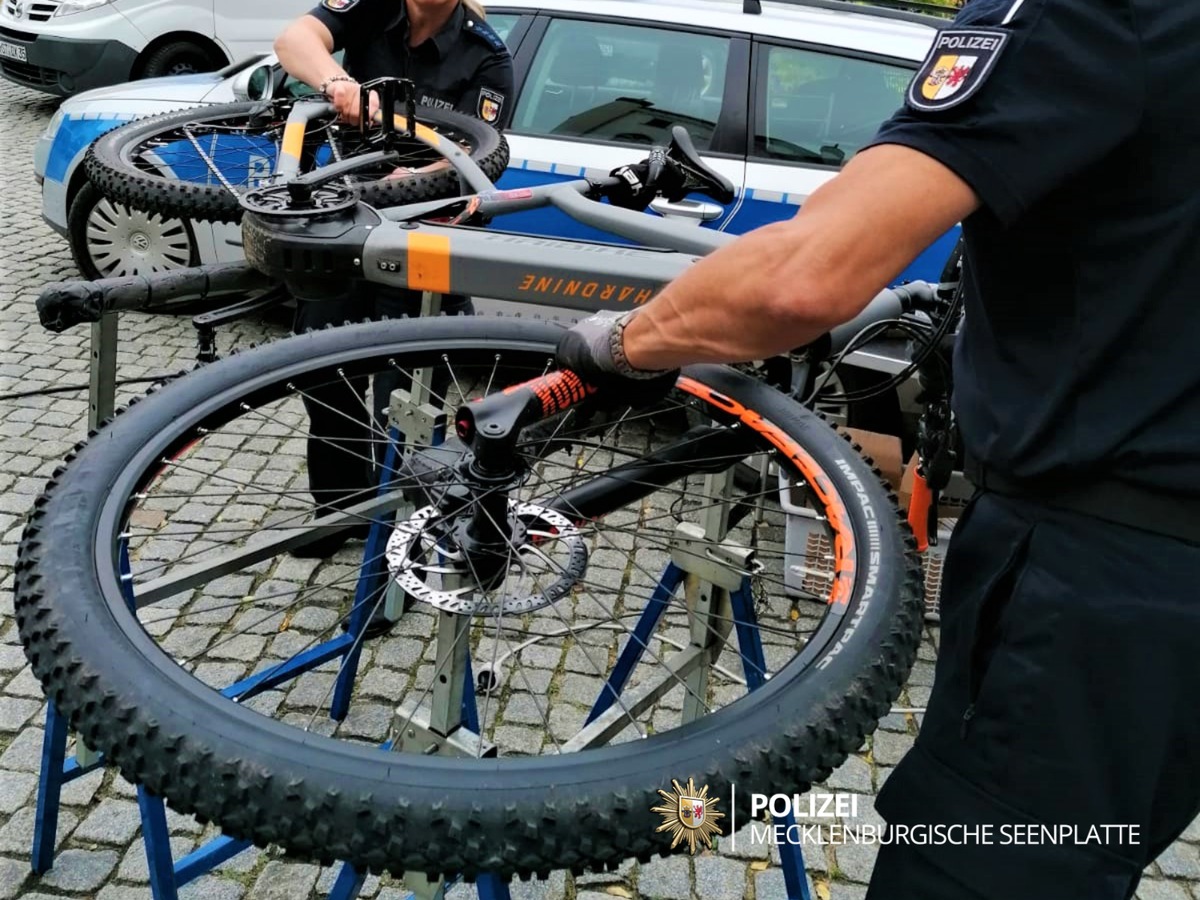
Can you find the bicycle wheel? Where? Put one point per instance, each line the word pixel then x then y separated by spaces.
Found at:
pixel 213 464
pixel 196 163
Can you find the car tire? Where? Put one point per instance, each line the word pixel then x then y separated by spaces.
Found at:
pixel 109 239
pixel 180 58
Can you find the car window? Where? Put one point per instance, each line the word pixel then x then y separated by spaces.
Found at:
pixel 819 108
pixel 624 83
pixel 503 23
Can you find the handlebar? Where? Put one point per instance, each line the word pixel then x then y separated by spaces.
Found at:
pixel 65 304
pixel 916 296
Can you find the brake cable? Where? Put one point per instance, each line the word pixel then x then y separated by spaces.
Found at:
pixel 927 341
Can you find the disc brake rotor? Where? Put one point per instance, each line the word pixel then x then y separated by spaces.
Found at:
pixel 549 557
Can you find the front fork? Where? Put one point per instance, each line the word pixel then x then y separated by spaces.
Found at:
pixel 491 427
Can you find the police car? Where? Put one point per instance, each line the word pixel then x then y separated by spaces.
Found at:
pixel 777 95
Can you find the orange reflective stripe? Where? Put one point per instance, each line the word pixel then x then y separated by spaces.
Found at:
pixel 424 132
pixel 293 140
pixel 429 262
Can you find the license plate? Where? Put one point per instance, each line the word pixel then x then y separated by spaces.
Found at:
pixel 12 51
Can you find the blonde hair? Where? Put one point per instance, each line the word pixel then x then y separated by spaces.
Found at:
pixel 476 9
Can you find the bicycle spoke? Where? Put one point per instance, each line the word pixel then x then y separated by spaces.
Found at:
pixel 660 458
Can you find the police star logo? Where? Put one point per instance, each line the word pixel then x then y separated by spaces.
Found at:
pixel 689 814
pixel 958 64
pixel 490 105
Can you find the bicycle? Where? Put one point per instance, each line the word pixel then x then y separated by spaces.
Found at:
pixel 528 532
pixel 197 164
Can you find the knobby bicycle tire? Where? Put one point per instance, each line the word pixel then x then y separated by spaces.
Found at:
pixel 331 801
pixel 110 169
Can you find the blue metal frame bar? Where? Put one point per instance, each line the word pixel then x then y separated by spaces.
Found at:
pixel 204 859
pixel 372 581
pixel 164 882
pixel 750 647
pixel 754 666
pixel 45 827
pixel 349 883
pixel 285 671
pixel 635 647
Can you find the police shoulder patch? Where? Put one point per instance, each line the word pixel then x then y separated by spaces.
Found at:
pixel 958 64
pixel 339 5
pixel 490 104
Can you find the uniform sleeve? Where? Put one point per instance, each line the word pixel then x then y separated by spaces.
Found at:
pixel 491 94
pixel 348 19
pixel 1064 89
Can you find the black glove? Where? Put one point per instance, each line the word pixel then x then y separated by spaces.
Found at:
pixel 642 182
pixel 593 350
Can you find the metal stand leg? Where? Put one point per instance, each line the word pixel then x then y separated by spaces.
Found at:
pixel 54 752
pixel 102 394
pixel 157 838
pixel 349 883
pixel 791 856
pixel 632 653
pixel 447 723
pixel 420 419
pixel 372 582
pixel 167 875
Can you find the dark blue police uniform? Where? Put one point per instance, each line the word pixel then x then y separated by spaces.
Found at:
pixel 465 66
pixel 1069 667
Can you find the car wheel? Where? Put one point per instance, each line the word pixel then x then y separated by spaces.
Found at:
pixel 179 58
pixel 109 240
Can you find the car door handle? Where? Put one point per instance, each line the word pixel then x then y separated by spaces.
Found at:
pixel 688 209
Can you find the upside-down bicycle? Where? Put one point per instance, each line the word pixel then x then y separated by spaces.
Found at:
pixel 590 602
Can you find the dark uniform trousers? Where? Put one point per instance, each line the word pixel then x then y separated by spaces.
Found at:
pixel 1067 692
pixel 341 467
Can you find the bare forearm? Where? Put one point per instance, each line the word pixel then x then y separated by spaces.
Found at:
pixel 785 285
pixel 750 300
pixel 305 53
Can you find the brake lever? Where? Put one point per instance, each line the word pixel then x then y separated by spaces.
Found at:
pixel 683 154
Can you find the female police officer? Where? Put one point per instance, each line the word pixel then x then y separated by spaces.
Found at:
pixel 445 46
pixel 1064 135
pixel 457 62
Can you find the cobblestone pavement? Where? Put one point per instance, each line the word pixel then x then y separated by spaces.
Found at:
pixel 101 854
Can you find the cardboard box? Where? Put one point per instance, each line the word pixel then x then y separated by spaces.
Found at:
pixel 884 450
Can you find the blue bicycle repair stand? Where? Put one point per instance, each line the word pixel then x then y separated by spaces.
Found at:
pixel 708 584
pixel 167 875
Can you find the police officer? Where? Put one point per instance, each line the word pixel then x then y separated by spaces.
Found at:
pixel 457 61
pixel 1063 134
pixel 445 46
